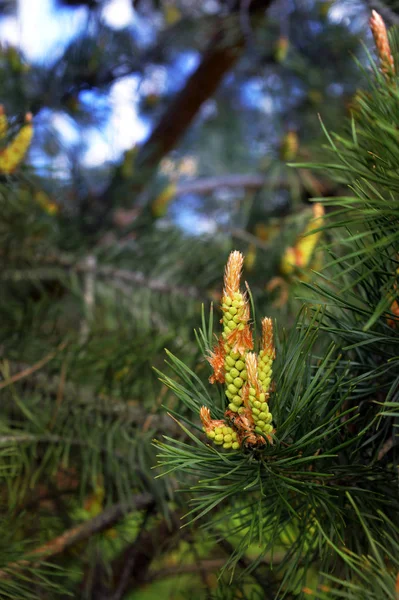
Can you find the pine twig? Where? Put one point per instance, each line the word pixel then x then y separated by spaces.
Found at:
pixel 130 569
pixel 108 518
pixel 131 558
pixel 389 444
pixel 138 278
pixel 45 495
pixel 248 181
pixel 208 185
pixel 246 236
pixel 201 571
pixel 63 390
pixel 60 394
pixel 28 371
pixel 88 296
pixel 202 566
pixel 105 271
pixel 244 563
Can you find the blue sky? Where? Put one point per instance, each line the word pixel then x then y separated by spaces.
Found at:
pixel 41 29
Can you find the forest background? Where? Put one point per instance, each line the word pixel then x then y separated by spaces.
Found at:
pixel 161 136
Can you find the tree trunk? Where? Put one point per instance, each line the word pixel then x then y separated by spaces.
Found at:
pixel 222 53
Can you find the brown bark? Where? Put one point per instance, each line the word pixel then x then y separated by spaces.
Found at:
pixel 130 568
pixel 109 517
pixel 29 370
pixel 222 53
pixel 218 59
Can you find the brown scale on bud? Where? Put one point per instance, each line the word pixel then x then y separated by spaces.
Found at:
pixel 244 425
pixel 380 35
pixel 216 360
pixel 208 423
pixel 219 431
pixel 267 337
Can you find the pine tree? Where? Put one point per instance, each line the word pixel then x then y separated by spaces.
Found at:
pixel 309 503
pixel 97 279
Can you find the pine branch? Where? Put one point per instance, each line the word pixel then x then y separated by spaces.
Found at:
pixel 45 495
pixel 250 238
pixel 245 565
pixel 207 185
pixel 77 395
pixel 221 55
pixel 88 296
pixel 155 285
pixel 30 370
pixel 105 271
pixel 223 52
pixel 160 423
pixel 108 518
pixel 132 555
pixel 250 181
pixel 85 80
pixel 130 568
pixel 207 566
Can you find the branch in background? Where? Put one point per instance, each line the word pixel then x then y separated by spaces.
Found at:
pixel 308 185
pixel 130 411
pixel 31 369
pixel 249 182
pixel 88 296
pixel 45 496
pixel 223 52
pixel 132 277
pixel 209 184
pixel 245 564
pixel 23 438
pixel 156 285
pixel 245 236
pixel 133 557
pixel 135 65
pixel 108 518
pixel 131 567
pixel 210 565
pixel 207 566
pixel 158 423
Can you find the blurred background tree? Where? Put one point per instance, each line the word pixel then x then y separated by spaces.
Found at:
pixel 161 136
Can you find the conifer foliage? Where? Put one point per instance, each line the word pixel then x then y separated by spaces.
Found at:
pixel 317 483
pixel 281 458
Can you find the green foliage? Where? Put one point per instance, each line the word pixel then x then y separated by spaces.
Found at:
pixel 91 295
pixel 328 484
